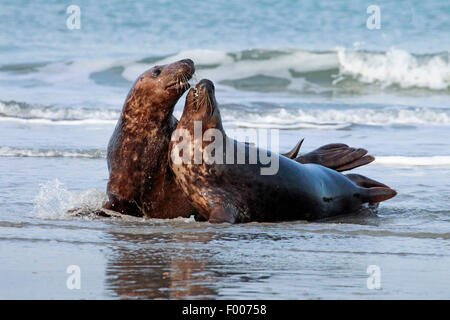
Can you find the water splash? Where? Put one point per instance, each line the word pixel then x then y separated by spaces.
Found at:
pixel 54 200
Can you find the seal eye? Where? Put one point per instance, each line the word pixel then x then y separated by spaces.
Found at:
pixel 156 72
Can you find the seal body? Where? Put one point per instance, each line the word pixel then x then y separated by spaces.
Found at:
pixel 140 182
pixel 233 193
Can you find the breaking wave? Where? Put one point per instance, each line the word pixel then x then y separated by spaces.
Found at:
pixel 433 161
pixel 314 71
pixel 396 67
pixel 295 70
pixel 18 111
pixel 252 116
pixel 330 118
pixel 52 153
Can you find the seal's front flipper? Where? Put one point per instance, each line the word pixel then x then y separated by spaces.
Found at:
pixel 337 156
pixel 83 212
pixel 357 163
pixel 293 153
pixel 364 182
pixel 221 214
pixel 377 194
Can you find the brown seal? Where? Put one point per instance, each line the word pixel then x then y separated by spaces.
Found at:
pixel 224 192
pixel 140 182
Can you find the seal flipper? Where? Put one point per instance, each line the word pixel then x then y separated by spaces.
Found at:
pixel 377 194
pixel 364 182
pixel 337 156
pixel 102 212
pixel 220 214
pixel 357 163
pixel 294 152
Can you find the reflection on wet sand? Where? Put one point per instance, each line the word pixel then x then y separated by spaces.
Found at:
pixel 198 261
pixel 159 266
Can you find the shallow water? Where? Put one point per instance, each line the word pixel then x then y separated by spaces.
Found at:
pixel 312 70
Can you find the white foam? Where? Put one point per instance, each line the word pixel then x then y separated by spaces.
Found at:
pixel 276 117
pixel 59 122
pixel 290 126
pixel 51 153
pixel 336 119
pixel 396 67
pixel 24 113
pixel 433 161
pixel 101 154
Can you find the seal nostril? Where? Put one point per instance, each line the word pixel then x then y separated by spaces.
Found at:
pixel 207 85
pixel 206 82
pixel 188 62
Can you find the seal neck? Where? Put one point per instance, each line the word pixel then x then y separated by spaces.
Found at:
pixel 139 110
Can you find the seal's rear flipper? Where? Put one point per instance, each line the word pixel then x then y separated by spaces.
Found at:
pixel 377 194
pixel 364 182
pixel 293 153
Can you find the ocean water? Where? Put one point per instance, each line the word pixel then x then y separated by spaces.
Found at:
pixel 311 69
